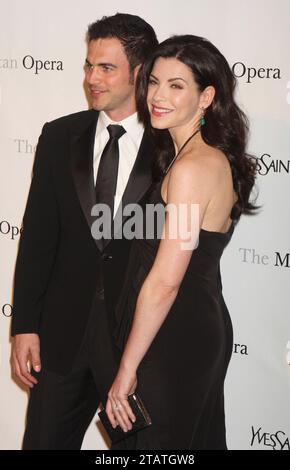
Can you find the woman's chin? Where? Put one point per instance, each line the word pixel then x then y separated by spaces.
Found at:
pixel 158 125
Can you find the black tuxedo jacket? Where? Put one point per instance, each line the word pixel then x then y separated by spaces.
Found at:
pixel 60 266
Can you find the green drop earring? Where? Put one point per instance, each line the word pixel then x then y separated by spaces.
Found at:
pixel 202 119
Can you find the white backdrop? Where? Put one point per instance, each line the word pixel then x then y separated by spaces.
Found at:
pixel 254 35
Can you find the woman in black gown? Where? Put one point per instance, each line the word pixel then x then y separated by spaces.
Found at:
pixel 173 326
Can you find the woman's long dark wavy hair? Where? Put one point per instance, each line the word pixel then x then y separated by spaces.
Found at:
pixel 226 125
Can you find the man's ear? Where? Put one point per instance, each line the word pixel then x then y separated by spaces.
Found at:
pixel 206 97
pixel 136 71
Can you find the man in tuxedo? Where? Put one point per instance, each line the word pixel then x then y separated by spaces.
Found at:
pixel 67 282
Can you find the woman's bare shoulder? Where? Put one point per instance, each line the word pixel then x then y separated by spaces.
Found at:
pixel 203 164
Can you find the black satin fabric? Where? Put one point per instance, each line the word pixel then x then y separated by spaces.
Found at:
pixel 181 378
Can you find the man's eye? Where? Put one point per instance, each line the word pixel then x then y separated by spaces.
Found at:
pixel 107 68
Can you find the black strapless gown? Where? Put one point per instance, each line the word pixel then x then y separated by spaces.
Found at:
pixel 181 378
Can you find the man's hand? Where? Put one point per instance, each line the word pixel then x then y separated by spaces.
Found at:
pixel 26 348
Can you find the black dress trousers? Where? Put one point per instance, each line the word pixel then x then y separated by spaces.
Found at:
pixel 61 407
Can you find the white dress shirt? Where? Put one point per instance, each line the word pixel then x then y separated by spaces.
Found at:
pixel 129 145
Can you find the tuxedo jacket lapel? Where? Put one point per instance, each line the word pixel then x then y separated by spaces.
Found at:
pixel 141 174
pixel 82 149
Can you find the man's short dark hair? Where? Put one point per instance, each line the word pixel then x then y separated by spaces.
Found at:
pixel 136 35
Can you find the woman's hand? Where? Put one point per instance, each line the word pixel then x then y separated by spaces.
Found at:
pixel 117 407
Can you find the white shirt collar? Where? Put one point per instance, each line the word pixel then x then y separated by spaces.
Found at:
pixel 131 125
